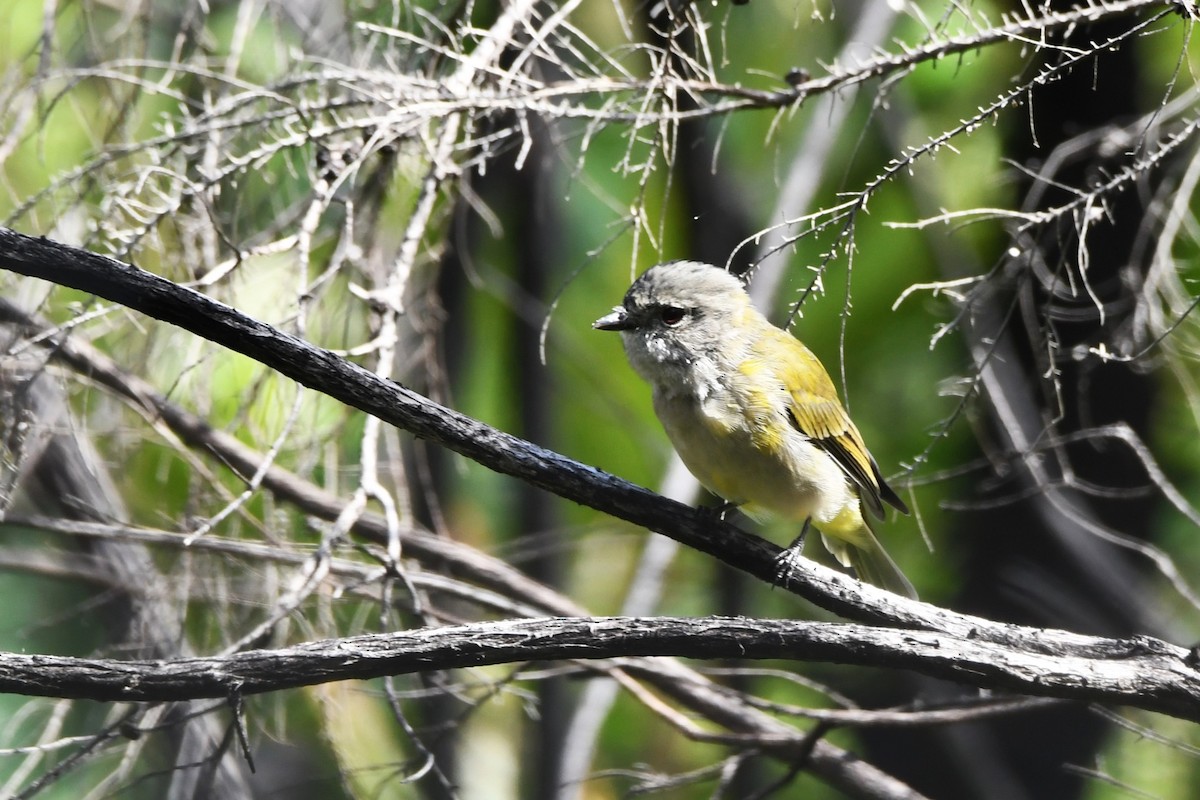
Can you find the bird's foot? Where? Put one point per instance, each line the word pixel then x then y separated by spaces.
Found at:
pixel 787 561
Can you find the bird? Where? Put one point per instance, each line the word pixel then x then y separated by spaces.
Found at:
pixel 754 415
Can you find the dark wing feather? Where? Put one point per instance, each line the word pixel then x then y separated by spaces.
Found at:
pixel 886 493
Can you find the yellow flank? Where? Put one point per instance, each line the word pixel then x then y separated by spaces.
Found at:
pixel 759 393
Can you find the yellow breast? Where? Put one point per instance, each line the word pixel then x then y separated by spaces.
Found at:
pixel 739 444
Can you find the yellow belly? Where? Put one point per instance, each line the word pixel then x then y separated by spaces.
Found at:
pixel 757 460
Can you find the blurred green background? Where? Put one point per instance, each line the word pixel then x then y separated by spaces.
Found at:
pixel 272 156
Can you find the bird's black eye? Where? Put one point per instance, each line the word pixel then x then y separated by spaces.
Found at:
pixel 671 316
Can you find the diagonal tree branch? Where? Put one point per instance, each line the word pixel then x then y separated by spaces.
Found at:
pixel 343 380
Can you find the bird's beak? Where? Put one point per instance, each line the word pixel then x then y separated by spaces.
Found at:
pixel 618 320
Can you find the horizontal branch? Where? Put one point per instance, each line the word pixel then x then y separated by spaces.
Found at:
pixel 417 96
pixel 1142 677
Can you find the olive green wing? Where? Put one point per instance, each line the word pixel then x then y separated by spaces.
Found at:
pixel 816 412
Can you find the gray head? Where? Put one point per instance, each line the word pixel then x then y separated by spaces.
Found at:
pixel 675 314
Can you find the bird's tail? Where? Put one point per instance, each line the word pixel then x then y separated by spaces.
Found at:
pixel 870 561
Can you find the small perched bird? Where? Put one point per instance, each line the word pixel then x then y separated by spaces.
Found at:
pixel 753 414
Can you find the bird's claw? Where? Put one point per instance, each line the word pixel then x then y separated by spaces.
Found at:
pixel 787 561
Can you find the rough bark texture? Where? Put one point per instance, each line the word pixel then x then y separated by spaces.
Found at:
pixel 1140 672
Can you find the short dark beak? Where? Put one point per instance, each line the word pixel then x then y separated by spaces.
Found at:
pixel 618 320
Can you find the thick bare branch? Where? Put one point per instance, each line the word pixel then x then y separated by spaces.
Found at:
pixel 1139 672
